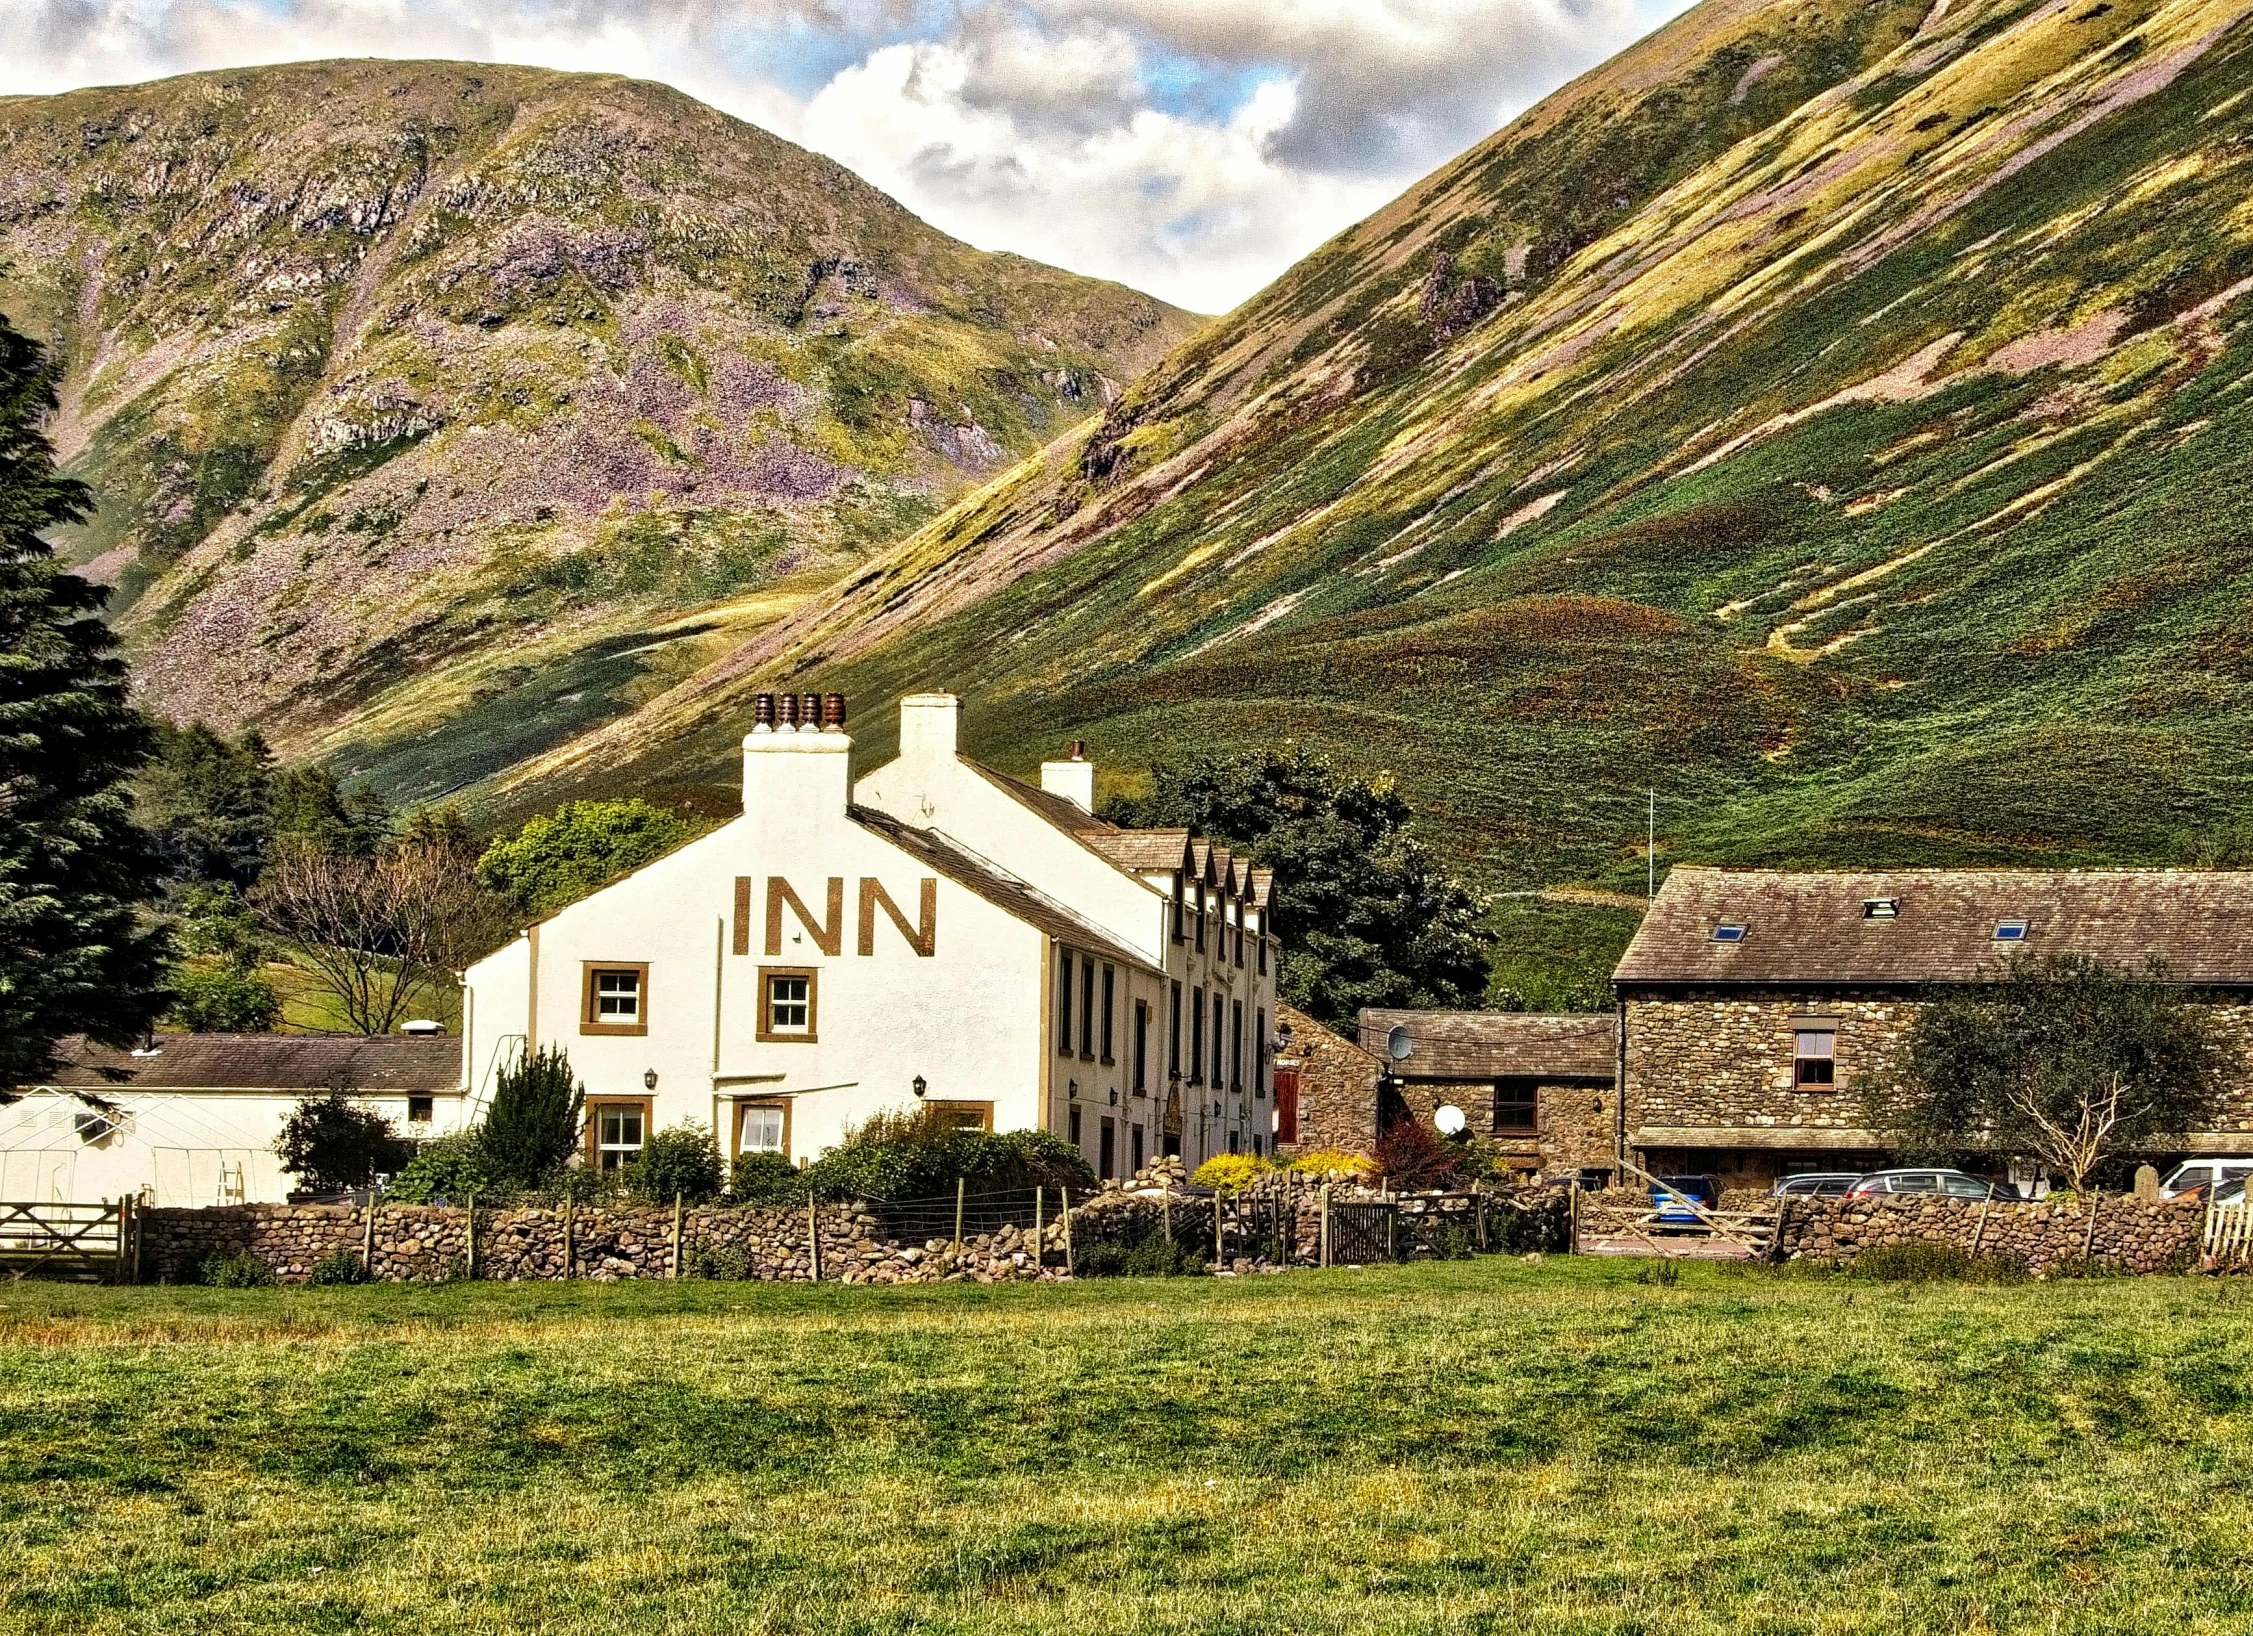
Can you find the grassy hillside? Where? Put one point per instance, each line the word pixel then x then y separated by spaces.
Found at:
pixel 1454 1447
pixel 1829 415
pixel 443 410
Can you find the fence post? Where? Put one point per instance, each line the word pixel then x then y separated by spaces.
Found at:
pixel 469 1236
pixel 1325 1225
pixel 1040 1252
pixel 1979 1233
pixel 124 1227
pixel 676 1269
pixel 1220 1234
pixel 813 1237
pixel 570 1261
pixel 1478 1203
pixel 1572 1218
pixel 1392 1230
pixel 367 1237
pixel 958 1183
pixel 2089 1238
pixel 1068 1268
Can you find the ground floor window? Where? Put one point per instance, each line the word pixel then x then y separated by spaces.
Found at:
pixel 962 1115
pixel 421 1109
pixel 1134 1146
pixel 1074 1120
pixel 764 1127
pixel 618 1130
pixel 1108 1151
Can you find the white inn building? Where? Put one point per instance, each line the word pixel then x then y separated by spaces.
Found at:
pixel 934 931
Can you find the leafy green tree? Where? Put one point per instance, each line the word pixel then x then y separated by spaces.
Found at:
pixel 2058 1057
pixel 209 803
pixel 1366 915
pixel 222 999
pixel 312 806
pixel 444 1170
pixel 75 956
pixel 559 858
pixel 679 1163
pixel 330 1144
pixel 532 1127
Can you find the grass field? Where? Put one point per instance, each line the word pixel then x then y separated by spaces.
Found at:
pixel 1464 1447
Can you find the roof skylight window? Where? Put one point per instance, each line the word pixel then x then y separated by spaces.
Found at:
pixel 1729 931
pixel 1881 908
pixel 2010 931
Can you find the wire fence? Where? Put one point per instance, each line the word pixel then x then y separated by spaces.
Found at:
pixel 918 1221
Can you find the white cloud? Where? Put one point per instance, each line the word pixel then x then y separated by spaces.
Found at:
pixel 1193 148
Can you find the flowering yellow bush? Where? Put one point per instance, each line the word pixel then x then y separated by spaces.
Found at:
pixel 1231 1172
pixel 1330 1161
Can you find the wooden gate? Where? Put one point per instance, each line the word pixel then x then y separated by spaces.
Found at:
pixel 83 1243
pixel 2229 1236
pixel 1361 1234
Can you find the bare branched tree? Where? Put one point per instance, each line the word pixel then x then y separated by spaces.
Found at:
pixel 382 934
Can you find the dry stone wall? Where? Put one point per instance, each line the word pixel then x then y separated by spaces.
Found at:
pixel 2126 1234
pixel 429 1242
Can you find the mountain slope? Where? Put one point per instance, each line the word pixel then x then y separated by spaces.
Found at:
pixel 435 408
pixel 1829 416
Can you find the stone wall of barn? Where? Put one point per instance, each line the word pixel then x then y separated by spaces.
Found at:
pixel 1724 1059
pixel 1337 1088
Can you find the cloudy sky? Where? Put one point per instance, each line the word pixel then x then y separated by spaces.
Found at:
pixel 1193 148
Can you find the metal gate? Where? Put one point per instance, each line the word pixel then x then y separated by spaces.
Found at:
pixel 84 1243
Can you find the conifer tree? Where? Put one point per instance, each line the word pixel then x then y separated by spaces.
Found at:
pixel 533 1124
pixel 75 954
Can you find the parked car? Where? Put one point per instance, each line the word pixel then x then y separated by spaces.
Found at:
pixel 2231 1192
pixel 2192 1174
pixel 1954 1184
pixel 1674 1196
pixel 1815 1184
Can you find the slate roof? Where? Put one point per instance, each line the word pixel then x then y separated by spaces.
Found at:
pixel 1068 816
pixel 288 1062
pixel 998 887
pixel 1143 851
pixel 1489 1044
pixel 1811 929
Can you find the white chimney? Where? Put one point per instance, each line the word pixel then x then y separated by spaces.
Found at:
pixel 1073 779
pixel 930 726
pixel 797 777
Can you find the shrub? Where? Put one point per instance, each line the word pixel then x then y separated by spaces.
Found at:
pixel 578 848
pixel 339 1267
pixel 532 1127
pixel 218 999
pixel 731 1265
pixel 1152 1255
pixel 1935 1263
pixel 1413 1157
pixel 234 1269
pixel 921 1154
pixel 1231 1172
pixel 447 1169
pixel 765 1178
pixel 330 1145
pixel 679 1163
pixel 1336 1162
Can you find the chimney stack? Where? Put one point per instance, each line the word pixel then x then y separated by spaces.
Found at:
pixel 930 726
pixel 797 772
pixel 1073 778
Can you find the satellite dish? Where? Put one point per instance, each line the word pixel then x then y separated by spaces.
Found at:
pixel 1399 1043
pixel 1449 1119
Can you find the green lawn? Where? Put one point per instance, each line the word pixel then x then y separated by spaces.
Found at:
pixel 1466 1447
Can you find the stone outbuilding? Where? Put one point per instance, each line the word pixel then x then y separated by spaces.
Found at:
pixel 1537 1085
pixel 1751 999
pixel 1326 1088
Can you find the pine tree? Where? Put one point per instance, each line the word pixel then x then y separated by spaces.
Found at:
pixel 75 956
pixel 533 1124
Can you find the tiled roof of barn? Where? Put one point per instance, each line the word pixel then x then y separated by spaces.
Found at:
pixel 1488 1044
pixel 1818 928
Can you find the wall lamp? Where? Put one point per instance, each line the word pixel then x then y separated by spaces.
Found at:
pixel 921 1085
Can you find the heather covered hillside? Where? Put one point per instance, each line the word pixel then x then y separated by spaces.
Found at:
pixel 438 411
pixel 1829 414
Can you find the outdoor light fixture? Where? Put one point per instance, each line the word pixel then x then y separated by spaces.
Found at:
pixel 921 1085
pixel 1072 1090
pixel 649 1080
pixel 1114 1096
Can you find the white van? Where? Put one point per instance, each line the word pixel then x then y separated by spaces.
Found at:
pixel 2203 1173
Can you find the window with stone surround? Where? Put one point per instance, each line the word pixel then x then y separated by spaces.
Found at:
pixel 1517 1105
pixel 1814 1057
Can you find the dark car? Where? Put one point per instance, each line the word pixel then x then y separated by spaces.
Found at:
pixel 1954 1184
pixel 1675 1195
pixel 1815 1184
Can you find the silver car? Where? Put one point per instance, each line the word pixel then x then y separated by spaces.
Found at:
pixel 1954 1184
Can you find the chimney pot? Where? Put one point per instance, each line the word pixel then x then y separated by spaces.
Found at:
pixel 762 713
pixel 833 713
pixel 1079 749
pixel 788 703
pixel 809 713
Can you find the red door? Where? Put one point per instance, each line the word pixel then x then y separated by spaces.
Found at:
pixel 1286 1104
